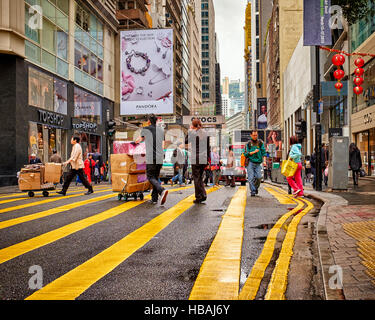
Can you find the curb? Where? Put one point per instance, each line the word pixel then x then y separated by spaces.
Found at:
pixel 325 254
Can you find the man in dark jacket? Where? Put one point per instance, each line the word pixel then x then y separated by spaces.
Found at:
pixel 34 159
pixel 355 162
pixel 97 157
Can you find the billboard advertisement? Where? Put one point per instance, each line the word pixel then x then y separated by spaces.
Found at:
pixel 316 29
pixel 146 72
pixel 273 142
pixel 262 113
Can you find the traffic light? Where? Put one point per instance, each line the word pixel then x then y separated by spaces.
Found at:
pixel 111 128
pixel 301 130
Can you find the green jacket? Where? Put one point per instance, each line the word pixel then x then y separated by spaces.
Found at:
pixel 251 146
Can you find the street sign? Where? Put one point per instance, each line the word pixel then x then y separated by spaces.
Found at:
pixel 206 120
pixel 320 108
pixel 335 132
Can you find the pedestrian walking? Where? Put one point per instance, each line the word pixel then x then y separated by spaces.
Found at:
pixel 77 165
pixel 34 159
pixel 308 168
pixel 255 153
pixel 355 162
pixel 324 161
pixel 97 157
pixel 215 166
pixel 295 154
pixel 153 136
pixel 313 168
pixel 178 160
pixel 208 175
pixel 89 164
pixel 55 157
pixel 229 169
pixel 199 144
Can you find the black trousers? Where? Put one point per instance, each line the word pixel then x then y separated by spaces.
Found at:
pixel 200 191
pixel 70 176
pixel 356 174
pixel 153 174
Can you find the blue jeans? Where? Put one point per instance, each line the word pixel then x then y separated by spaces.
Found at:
pixel 178 176
pixel 254 174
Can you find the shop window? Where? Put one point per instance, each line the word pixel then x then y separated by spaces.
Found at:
pixel 40 90
pixel 87 106
pixel 367 98
pixel 31 33
pixel 48 61
pixel 32 51
pixel 61 96
pixel 93 65
pixel 85 60
pixel 100 69
pixel 62 68
pixel 63 5
pixel 48 36
pixel 62 45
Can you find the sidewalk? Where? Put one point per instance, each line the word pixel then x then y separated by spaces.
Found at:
pixel 346 240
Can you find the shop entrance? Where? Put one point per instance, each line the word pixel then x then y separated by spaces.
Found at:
pixel 43 139
pixel 366 143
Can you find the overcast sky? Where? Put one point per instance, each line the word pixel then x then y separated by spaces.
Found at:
pixel 230 20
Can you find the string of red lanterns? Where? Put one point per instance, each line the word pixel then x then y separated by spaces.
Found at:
pixel 338 60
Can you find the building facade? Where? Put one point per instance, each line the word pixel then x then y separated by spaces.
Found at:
pixel 58 79
pixel 208 52
pixel 362 39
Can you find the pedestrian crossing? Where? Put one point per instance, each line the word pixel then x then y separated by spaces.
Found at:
pixel 219 275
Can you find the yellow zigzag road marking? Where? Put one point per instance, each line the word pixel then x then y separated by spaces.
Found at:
pixel 18 249
pixel 251 286
pixel 32 204
pixel 219 276
pixel 51 193
pixel 75 282
pixel 279 196
pixel 279 279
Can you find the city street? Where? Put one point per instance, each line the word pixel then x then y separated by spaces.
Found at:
pixel 97 247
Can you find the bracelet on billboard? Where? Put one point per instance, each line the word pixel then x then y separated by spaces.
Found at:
pixel 144 56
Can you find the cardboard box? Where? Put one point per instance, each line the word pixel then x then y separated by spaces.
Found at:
pixel 120 163
pixel 52 172
pixel 131 180
pixel 29 181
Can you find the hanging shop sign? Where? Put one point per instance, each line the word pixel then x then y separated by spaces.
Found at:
pixel 206 120
pixel 85 126
pixel 146 71
pixel 316 29
pixel 51 118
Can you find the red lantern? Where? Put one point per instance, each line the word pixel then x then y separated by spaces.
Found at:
pixel 338 59
pixel 339 74
pixel 359 72
pixel 358 90
pixel 359 62
pixel 339 86
pixel 358 81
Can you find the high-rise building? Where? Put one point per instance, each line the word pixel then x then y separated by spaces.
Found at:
pixel 194 27
pixel 248 66
pixel 133 14
pixel 58 78
pixel 208 52
pixel 226 85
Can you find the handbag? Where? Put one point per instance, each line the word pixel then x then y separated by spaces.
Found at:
pixel 362 173
pixel 288 168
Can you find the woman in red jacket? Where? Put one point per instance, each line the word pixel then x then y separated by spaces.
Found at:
pixel 89 167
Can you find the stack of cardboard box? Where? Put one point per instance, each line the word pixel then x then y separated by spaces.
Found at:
pixel 125 172
pixel 38 176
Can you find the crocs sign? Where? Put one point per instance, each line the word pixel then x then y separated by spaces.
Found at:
pixel 206 120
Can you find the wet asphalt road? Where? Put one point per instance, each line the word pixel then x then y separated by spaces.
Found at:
pixel 165 268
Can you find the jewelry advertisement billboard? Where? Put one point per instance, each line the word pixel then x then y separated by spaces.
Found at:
pixel 146 72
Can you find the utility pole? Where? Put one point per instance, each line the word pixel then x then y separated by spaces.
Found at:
pixel 318 126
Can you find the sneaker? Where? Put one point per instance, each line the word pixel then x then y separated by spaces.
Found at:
pixel 152 202
pixel 163 197
pixel 253 194
pixel 296 192
pixel 200 201
pixel 61 192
